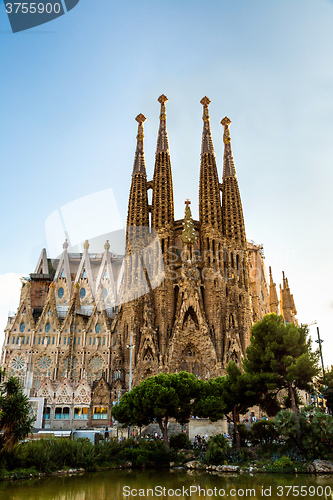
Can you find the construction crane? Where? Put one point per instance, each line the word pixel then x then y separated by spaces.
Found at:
pixel 310 324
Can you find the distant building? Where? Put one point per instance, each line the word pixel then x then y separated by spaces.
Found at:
pixel 183 297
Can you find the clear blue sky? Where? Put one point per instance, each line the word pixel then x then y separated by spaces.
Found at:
pixel 71 89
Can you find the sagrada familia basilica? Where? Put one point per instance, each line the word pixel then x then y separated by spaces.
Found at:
pixel 183 297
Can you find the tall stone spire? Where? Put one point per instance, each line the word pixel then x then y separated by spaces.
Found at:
pixel 273 298
pixel 138 214
pixel 287 304
pixel 209 190
pixel 162 139
pixel 232 211
pixel 162 203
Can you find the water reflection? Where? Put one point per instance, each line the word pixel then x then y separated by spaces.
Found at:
pixel 130 485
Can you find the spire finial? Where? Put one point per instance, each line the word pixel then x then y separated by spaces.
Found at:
pixel 162 100
pixel 107 245
pixel 207 143
pixel 226 136
pixel 86 245
pixel 205 101
pixel 229 169
pixel 140 119
pixel 139 161
pixel 187 202
pixel 65 245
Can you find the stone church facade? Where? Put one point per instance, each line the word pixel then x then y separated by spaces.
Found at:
pixel 183 297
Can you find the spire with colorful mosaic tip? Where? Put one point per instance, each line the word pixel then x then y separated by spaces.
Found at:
pixel 229 169
pixel 162 200
pixel 207 142
pixel 139 161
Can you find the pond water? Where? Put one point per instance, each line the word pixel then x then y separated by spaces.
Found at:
pixel 165 485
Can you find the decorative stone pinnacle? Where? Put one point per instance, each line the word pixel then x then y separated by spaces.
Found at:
pixel 226 121
pixel 107 245
pixel 86 245
pixel 140 118
pixel 205 101
pixel 226 136
pixel 162 99
pixel 65 245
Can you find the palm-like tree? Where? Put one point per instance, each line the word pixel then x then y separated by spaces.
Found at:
pixel 16 416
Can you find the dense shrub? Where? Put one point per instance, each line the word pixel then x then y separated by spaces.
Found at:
pixel 263 432
pixel 48 455
pixel 217 450
pixel 316 431
pixel 180 441
pixel 282 465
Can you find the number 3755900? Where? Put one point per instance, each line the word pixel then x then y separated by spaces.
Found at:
pixel 32 8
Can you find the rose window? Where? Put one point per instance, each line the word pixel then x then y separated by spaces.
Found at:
pixel 44 363
pixel 96 363
pixel 18 362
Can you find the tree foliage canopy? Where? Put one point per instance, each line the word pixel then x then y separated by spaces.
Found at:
pixel 16 416
pixel 280 357
pixel 159 398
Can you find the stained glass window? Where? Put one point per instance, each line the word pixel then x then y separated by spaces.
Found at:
pixel 44 363
pixel 18 362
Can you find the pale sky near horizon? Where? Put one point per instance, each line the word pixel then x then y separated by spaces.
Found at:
pixel 71 90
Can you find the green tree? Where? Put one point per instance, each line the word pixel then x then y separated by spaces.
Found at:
pixel 16 416
pixel 209 402
pixel 280 357
pixel 238 395
pixel 316 427
pixel 159 398
pixel 217 450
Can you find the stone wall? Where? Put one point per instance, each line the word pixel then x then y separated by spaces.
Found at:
pixel 204 426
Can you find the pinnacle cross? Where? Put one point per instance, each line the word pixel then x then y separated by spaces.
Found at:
pixel 226 136
pixel 140 119
pixel 205 101
pixel 187 202
pixel 162 100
